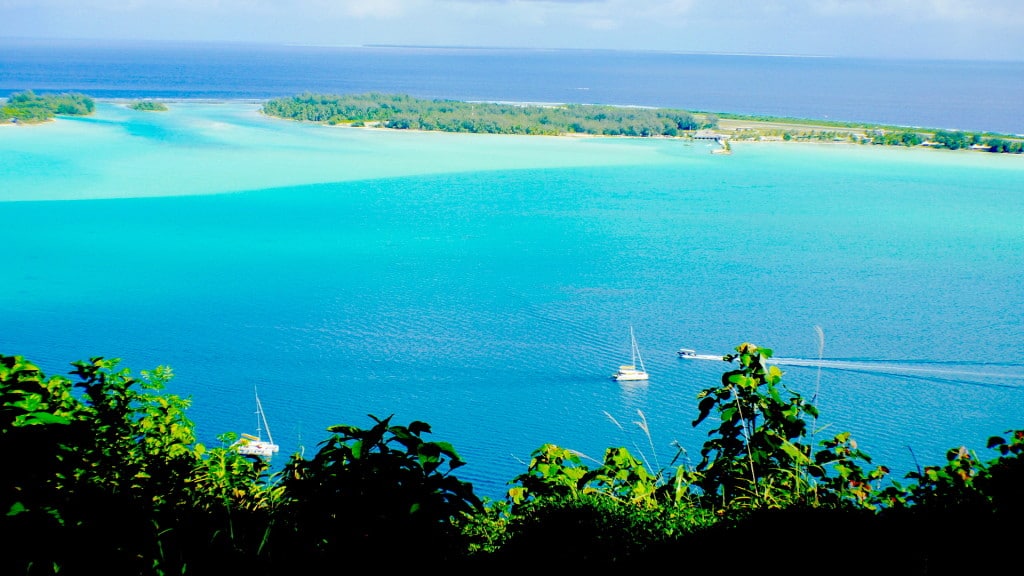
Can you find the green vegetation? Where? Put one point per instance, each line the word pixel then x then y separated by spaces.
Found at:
pixel 104 473
pixel 756 128
pixel 31 108
pixel 405 112
pixel 148 106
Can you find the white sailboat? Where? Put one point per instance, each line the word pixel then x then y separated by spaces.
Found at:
pixel 630 371
pixel 252 445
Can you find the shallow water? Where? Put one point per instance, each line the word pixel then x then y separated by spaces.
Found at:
pixel 203 148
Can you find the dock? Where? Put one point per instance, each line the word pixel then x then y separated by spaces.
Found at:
pixel 721 139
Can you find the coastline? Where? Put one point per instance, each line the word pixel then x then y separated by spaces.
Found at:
pixel 730 129
pixel 721 127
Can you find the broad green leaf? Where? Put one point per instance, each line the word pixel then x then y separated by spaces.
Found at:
pixel 43 418
pixel 16 508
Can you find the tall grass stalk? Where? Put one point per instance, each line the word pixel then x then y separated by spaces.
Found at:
pixel 748 433
pixel 817 383
pixel 642 424
pixel 636 448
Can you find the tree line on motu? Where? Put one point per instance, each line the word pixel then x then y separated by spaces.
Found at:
pixel 403 112
pixel 32 108
pixel 29 107
pixel 104 473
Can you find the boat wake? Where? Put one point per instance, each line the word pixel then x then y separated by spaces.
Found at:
pixel 990 375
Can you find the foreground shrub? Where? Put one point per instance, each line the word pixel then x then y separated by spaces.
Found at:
pixel 373 493
pixel 107 475
pixel 106 471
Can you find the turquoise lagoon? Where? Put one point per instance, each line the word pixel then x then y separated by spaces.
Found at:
pixel 487 284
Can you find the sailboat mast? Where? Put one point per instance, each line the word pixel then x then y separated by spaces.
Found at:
pixel 263 419
pixel 629 372
pixel 259 429
pixel 636 351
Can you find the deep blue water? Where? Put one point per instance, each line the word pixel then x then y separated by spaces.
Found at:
pixel 965 95
pixel 494 304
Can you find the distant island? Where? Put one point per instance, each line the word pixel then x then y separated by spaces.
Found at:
pixel 404 112
pixel 148 106
pixel 408 113
pixel 738 127
pixel 30 108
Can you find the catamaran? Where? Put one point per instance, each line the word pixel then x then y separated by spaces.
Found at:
pixel 255 445
pixel 630 371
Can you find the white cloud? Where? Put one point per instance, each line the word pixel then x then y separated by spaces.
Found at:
pixel 933 28
pixel 992 11
pixel 375 9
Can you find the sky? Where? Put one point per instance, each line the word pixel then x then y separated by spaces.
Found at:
pixel 957 29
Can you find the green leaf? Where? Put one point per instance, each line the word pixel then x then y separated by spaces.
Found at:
pixel 43 418
pixel 728 414
pixel 793 452
pixel 418 428
pixel 16 508
pixel 344 429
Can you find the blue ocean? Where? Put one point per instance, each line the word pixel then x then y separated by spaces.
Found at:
pixel 488 284
pixel 962 95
